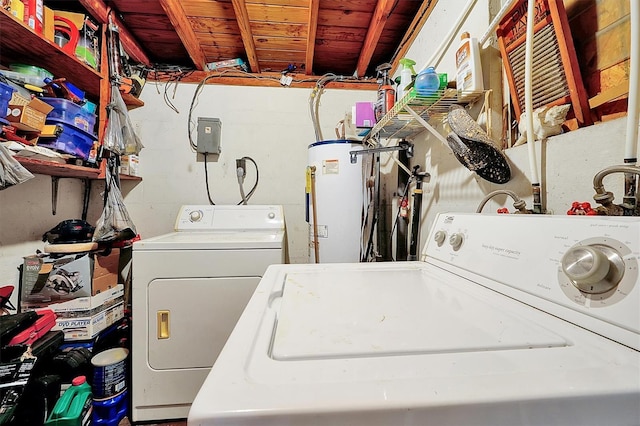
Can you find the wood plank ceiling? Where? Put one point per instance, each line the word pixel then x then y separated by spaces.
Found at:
pixel 308 37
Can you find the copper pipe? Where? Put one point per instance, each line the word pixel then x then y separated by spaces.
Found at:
pixel 316 247
pixel 517 202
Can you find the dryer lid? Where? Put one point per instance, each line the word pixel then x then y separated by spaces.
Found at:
pixel 218 240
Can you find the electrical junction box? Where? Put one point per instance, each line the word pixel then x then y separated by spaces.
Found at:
pixel 208 141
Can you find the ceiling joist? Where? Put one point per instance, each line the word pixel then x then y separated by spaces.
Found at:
pixel 100 11
pixel 176 14
pixel 378 21
pixel 314 6
pixel 242 16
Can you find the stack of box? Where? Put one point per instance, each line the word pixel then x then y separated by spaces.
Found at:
pixel 82 289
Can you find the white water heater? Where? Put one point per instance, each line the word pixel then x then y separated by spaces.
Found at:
pixel 338 199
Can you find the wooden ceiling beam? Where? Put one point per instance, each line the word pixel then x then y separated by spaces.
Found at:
pixel 412 32
pixel 242 16
pixel 98 10
pixel 312 24
pixel 178 17
pixel 376 26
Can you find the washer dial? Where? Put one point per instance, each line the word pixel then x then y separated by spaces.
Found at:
pixel 593 269
pixel 195 216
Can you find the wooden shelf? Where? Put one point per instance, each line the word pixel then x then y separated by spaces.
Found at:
pixel 20 44
pixel 50 168
pixel 131 101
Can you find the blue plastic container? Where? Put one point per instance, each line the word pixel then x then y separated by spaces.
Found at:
pixel 72 140
pixel 71 113
pixel 427 82
pixel 111 411
pixel 6 92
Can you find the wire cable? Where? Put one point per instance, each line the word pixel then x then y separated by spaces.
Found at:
pixel 255 185
pixel 206 180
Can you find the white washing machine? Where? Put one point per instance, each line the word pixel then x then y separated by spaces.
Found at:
pixel 509 320
pixel 189 288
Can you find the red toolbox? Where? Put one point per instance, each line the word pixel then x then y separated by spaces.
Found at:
pixel 45 322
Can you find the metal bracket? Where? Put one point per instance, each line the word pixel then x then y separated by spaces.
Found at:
pixel 54 194
pixel 353 155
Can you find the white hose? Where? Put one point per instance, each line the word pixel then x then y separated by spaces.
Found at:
pixel 528 98
pixel 631 147
pixel 496 21
pixel 435 59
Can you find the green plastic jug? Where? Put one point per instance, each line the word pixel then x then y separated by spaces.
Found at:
pixel 74 406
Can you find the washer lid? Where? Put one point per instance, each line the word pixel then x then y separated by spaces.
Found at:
pixel 354 313
pixel 218 240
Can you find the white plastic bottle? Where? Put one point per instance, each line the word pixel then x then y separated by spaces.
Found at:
pixel 406 76
pixel 468 66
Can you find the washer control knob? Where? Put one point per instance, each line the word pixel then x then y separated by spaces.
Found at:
pixel 588 268
pixel 271 215
pixel 455 240
pixel 440 237
pixel 195 216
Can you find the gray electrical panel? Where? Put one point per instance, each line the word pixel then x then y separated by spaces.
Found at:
pixel 208 141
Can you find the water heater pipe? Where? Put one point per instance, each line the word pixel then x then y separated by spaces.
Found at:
pixel 316 248
pixel 528 100
pixel 633 110
pixel 633 107
pixel 437 56
pixel 496 21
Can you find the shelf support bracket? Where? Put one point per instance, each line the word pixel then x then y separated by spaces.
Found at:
pixel 54 194
pixel 426 125
pixel 85 198
pixel 404 147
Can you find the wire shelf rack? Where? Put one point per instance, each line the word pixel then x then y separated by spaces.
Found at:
pixel 398 123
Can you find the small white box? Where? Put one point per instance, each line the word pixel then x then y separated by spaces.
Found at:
pixel 129 165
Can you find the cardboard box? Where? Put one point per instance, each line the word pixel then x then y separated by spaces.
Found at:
pixel 129 165
pixel 34 14
pixel 82 306
pixel 47 280
pixel 85 328
pixel 83 318
pixel 48 27
pixel 17 9
pixel 28 115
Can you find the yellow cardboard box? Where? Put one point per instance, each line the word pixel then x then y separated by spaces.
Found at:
pixel 48 27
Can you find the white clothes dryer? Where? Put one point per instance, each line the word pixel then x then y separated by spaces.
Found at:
pixel 189 288
pixel 509 320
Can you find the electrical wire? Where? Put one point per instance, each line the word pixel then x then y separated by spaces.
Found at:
pixel 206 180
pixel 255 185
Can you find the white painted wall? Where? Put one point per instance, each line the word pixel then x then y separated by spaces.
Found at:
pixel 273 126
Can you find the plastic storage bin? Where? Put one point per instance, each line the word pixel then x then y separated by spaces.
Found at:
pixel 6 92
pixel 72 140
pixel 72 114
